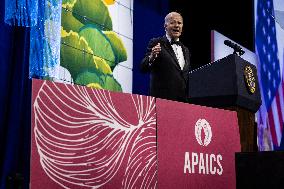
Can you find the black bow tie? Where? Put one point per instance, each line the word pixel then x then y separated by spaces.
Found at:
pixel 175 43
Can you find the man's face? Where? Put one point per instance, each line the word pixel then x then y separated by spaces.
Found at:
pixel 174 26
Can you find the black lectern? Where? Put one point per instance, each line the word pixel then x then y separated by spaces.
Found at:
pixel 229 83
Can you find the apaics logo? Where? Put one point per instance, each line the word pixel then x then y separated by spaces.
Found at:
pixel 199 162
pixel 203 125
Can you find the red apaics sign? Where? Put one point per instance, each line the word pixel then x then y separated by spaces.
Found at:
pixel 196 146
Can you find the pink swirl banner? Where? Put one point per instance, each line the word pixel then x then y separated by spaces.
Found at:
pixel 89 138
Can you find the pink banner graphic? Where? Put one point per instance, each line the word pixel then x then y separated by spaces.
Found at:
pixel 196 146
pixel 87 138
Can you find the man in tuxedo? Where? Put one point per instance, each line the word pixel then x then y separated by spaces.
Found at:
pixel 168 62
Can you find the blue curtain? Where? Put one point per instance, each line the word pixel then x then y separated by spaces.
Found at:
pixel 15 105
pixel 21 12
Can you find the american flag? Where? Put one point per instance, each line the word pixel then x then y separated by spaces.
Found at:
pixel 271 113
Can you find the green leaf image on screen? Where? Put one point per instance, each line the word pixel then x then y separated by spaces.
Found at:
pixel 68 1
pixel 68 21
pixel 117 46
pixel 99 43
pixel 90 50
pixel 76 56
pixel 93 12
pixel 104 81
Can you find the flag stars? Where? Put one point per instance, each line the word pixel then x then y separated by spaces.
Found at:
pixel 263 12
pixel 269 94
pixel 268 21
pixel 269 75
pixel 274 65
pixel 274 83
pixel 264 67
pixel 268 4
pixel 273 47
pixel 264 49
pixel 269 57
pixel 264 30
pixel 268 39
pixel 273 30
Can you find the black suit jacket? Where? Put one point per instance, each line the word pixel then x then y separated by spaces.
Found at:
pixel 167 80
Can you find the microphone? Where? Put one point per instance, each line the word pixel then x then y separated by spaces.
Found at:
pixel 235 46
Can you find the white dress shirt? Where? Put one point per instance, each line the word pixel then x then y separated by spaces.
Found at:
pixel 178 52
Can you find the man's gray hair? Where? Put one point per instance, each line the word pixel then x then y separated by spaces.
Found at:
pixel 167 18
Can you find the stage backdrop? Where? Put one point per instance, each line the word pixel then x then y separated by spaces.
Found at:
pixel 95 47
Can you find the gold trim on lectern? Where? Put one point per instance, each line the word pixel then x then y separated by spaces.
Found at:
pixel 249 79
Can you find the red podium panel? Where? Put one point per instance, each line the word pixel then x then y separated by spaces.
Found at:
pixel 196 146
pixel 87 138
